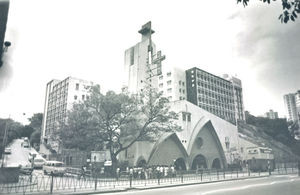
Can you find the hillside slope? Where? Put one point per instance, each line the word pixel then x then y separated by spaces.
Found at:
pixel 282 153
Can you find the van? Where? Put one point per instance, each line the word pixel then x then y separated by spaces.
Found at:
pixel 54 167
pixel 38 162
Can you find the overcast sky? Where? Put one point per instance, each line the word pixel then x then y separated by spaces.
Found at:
pixel 54 39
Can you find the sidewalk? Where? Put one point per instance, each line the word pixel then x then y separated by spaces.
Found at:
pixel 63 185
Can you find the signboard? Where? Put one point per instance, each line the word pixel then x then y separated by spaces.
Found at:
pixel 100 156
pixel 108 163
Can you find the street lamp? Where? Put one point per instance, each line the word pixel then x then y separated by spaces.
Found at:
pixel 5 48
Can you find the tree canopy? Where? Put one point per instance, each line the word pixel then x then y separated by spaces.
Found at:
pixel 290 9
pixel 278 129
pixel 116 121
pixel 17 130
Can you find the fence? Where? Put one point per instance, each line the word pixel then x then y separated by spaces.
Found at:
pixel 38 183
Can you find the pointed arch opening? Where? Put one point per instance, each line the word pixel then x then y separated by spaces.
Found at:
pixel 141 162
pixel 199 162
pixel 216 164
pixel 179 164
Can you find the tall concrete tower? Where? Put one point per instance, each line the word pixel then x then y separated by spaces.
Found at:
pixel 136 63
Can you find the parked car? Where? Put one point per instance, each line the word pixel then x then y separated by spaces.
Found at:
pixel 32 154
pixel 26 169
pixel 54 167
pixel 38 162
pixel 7 151
pixel 25 144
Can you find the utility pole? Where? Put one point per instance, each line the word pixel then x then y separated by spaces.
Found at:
pixel 4 141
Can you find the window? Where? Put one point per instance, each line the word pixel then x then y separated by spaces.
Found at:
pixel 183 117
pixel 182 83
pixel 160 85
pixel 169 82
pixel 83 97
pixel 179 82
pixel 169 74
pixel 189 117
pixel 77 86
pixel 183 91
pixel 169 90
pixel 75 97
pixel 179 90
pixel 132 56
pixel 170 98
pixel 161 77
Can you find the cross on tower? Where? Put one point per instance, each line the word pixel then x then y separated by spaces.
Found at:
pixel 159 58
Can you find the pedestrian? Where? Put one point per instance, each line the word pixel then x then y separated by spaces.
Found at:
pixel 118 173
pixel 82 172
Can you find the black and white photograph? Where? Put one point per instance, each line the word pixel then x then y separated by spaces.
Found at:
pixel 147 97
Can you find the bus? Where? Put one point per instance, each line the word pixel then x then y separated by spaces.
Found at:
pixel 260 159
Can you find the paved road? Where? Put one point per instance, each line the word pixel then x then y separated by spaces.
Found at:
pixel 19 154
pixel 280 184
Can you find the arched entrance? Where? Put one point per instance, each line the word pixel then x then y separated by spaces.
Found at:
pixel 180 164
pixel 141 163
pixel 199 162
pixel 216 164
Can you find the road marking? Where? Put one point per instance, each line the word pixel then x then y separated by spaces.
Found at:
pixel 245 187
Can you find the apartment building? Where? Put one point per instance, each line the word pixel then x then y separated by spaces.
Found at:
pixel 211 93
pixel 60 97
pixel 172 83
pixel 290 106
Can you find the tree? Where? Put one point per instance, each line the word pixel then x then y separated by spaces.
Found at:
pixel 290 9
pixel 36 124
pixel 117 121
pixel 36 121
pixel 13 129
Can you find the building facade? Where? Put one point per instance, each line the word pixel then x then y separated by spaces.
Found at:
pixel 172 84
pixel 271 114
pixel 238 97
pixel 60 97
pixel 206 141
pixel 297 101
pixel 137 60
pixel 290 106
pixel 212 93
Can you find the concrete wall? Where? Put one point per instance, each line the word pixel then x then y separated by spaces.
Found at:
pixel 137 72
pixel 223 128
pixel 210 149
pixel 9 174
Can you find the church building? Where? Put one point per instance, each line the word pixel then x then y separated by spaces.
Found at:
pixel 207 140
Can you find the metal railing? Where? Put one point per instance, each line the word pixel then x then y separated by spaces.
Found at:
pixel 39 183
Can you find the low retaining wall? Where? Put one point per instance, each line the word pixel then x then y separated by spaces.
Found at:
pixel 9 174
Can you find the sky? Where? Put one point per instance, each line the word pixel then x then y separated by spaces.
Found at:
pixel 54 39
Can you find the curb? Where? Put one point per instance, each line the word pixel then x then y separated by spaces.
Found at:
pixel 162 186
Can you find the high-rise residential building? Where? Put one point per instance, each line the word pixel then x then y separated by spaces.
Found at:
pixel 297 101
pixel 271 114
pixel 60 97
pixel 290 106
pixel 211 93
pixel 172 83
pixel 238 96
